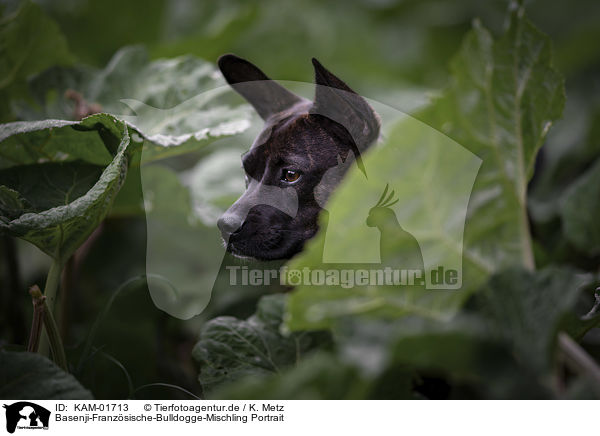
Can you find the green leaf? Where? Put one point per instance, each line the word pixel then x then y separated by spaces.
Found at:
pixel 230 349
pixel 48 185
pixel 526 309
pixel 179 105
pixel 11 202
pixel 50 198
pixel 30 142
pixel 580 211
pixel 569 151
pixel 577 325
pixel 29 43
pixel 455 346
pixel 320 376
pixel 465 352
pixel 34 377
pixel 431 177
pixel 501 347
pixel 504 97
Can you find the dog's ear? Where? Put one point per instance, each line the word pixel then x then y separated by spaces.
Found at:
pixel 335 100
pixel 267 96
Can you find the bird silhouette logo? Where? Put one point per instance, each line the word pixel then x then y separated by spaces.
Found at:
pixel 397 247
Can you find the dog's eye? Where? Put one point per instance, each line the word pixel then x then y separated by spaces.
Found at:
pixel 290 176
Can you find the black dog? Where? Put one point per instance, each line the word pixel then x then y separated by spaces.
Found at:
pixel 295 162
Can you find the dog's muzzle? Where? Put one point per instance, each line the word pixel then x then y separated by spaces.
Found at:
pixel 229 223
pixel 283 199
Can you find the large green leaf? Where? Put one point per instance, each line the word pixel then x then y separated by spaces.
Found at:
pixel 504 97
pixel 29 43
pixel 230 348
pixel 52 198
pixel 33 377
pixel 177 104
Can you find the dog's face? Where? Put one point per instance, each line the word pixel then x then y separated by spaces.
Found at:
pixel 294 163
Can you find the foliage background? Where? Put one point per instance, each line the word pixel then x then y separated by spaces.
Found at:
pixel 396 52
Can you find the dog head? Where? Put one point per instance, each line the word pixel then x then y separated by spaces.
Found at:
pixel 295 162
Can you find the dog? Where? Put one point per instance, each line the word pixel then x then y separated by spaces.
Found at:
pixel 295 162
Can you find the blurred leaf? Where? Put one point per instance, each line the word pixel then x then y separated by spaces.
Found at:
pixel 53 203
pixel 130 199
pixel 230 349
pixel 29 43
pixel 576 50
pixel 527 308
pixel 571 148
pixel 452 346
pixel 319 376
pixel 212 189
pixel 222 25
pixel 428 31
pixel 583 388
pixel 465 352
pixel 577 327
pixel 92 40
pixel 504 349
pixel 34 377
pixel 178 105
pixel 580 211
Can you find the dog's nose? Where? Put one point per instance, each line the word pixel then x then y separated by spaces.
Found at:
pixel 229 223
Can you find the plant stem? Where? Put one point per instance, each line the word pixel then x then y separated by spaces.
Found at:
pixel 52 283
pixel 66 289
pixel 50 290
pixel 56 344
pixel 38 320
pixel 54 339
pixel 578 359
pixel 527 245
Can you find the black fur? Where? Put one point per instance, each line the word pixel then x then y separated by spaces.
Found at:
pixel 300 136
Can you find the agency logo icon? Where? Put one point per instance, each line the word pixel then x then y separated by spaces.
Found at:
pixel 25 415
pixel 403 244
